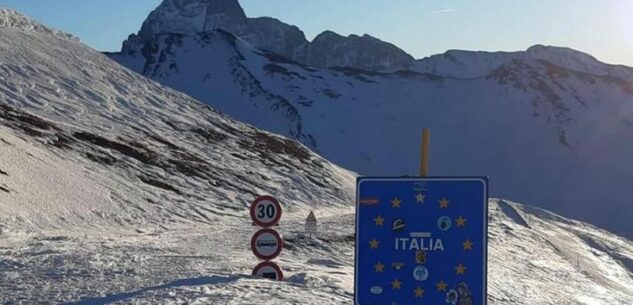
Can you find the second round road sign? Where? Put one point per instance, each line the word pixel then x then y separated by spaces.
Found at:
pixel 266 244
pixel 265 211
pixel 269 270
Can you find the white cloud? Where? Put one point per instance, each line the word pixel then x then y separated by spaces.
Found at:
pixel 443 11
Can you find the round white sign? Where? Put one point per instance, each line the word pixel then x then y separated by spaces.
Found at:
pixel 265 211
pixel 266 244
pixel 269 270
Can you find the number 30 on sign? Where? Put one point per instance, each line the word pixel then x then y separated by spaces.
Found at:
pixel 266 211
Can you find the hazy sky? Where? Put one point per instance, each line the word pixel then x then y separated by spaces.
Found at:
pixel 603 28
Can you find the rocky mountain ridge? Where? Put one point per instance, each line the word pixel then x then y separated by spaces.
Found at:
pixel 326 50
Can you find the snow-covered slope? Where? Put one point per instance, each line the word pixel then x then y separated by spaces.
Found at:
pixel 469 64
pixel 9 18
pixel 542 125
pixel 116 190
pixel 76 125
pixel 327 50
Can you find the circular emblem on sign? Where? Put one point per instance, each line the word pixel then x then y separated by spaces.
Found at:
pixel 269 270
pixel 265 211
pixel 451 297
pixel 375 290
pixel 444 223
pixel 420 273
pixel 266 244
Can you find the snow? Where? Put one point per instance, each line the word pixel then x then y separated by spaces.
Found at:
pixel 473 64
pixel 117 190
pixel 99 129
pixel 185 266
pixel 12 19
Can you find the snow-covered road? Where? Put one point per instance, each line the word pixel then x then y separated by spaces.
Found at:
pixel 197 265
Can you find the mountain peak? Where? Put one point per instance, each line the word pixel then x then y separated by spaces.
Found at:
pixel 328 49
pixel 193 16
pixel 18 21
pixel 461 63
pixel 564 56
pixel 191 8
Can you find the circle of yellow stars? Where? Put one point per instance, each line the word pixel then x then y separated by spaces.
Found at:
pixel 441 286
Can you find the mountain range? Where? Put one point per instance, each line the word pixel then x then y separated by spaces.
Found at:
pixel 549 125
pixel 116 189
pixel 328 49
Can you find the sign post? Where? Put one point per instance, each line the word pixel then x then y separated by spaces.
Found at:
pixel 426 142
pixel 266 243
pixel 421 241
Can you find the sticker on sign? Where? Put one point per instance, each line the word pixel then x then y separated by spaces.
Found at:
pixel 265 211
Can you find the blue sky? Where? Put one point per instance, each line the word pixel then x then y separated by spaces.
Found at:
pixel 603 28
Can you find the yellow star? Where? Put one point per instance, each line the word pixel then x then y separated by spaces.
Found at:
pixel 395 285
pixel 468 245
pixel 441 286
pixel 379 221
pixel 460 269
pixel 395 203
pixel 461 221
pixel 379 268
pixel 419 292
pixel 373 244
pixel 444 203
pixel 420 198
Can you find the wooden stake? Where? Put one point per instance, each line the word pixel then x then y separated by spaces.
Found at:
pixel 424 164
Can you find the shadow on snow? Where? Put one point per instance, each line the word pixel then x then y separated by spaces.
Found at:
pixel 206 280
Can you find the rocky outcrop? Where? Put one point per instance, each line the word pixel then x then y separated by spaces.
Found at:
pixel 327 50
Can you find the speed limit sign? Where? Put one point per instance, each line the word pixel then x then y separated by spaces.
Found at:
pixel 265 211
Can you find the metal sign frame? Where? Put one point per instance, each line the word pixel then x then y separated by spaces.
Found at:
pixel 369 201
pixel 279 239
pixel 278 211
pixel 280 273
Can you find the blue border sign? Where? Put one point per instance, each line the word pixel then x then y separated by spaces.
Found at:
pixel 421 241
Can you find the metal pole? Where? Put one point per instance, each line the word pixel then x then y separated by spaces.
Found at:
pixel 424 164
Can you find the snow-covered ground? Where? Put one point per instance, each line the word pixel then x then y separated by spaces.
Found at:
pixel 116 190
pixel 535 258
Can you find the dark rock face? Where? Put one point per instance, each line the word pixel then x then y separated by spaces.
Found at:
pixel 366 53
pixel 327 50
pixel 283 39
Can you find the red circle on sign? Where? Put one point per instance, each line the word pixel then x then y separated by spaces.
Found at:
pixel 280 244
pixel 275 267
pixel 276 217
